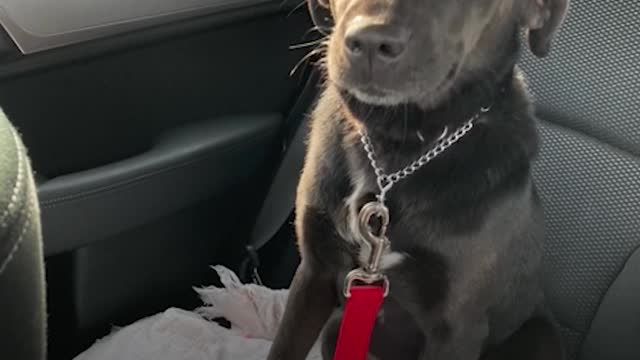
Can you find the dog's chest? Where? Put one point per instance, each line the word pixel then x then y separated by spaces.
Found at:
pixel 364 190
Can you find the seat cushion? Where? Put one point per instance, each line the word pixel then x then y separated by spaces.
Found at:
pixel 587 94
pixel 22 294
pixel 13 191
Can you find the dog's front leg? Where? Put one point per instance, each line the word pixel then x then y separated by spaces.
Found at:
pixel 312 298
pixel 461 343
pixel 420 285
pixel 537 339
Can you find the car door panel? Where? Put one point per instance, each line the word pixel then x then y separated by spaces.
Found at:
pixel 130 97
pixel 180 169
pixel 153 148
pixel 36 25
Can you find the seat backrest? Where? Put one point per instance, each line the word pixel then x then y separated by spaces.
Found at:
pixel 588 100
pixel 22 292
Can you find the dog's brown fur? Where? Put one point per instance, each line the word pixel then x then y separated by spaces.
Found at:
pixel 466 230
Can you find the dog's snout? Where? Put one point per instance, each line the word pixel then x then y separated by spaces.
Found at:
pixel 375 43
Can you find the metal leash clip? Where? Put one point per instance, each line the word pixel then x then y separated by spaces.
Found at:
pixel 373 221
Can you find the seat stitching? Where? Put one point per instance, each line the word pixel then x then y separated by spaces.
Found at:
pixel 583 134
pixel 604 294
pixel 621 151
pixel 18 184
pixel 27 224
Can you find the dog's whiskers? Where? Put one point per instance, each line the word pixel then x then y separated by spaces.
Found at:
pixel 306 44
pixel 319 50
pixel 297 7
pixel 313 29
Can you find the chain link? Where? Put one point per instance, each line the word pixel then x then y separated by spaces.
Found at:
pixel 387 181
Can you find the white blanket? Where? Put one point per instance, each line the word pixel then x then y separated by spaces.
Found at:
pixel 254 313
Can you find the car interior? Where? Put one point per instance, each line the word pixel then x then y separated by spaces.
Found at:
pixel 145 141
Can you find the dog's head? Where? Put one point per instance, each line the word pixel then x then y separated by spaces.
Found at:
pixel 390 52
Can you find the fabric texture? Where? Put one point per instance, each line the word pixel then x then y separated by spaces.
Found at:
pixel 253 311
pixel 22 294
pixel 587 94
pixel 590 80
pixel 358 320
pixel 615 330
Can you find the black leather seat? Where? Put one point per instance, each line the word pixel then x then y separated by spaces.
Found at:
pixel 22 291
pixel 588 99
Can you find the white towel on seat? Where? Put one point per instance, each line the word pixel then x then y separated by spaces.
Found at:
pixel 253 311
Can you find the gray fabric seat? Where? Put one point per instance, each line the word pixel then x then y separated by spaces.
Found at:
pixel 22 294
pixel 588 99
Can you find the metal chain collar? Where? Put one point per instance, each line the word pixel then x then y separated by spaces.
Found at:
pixel 387 181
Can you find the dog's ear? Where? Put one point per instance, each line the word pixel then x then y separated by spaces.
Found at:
pixel 320 11
pixel 543 19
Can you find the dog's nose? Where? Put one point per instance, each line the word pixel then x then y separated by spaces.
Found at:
pixel 375 42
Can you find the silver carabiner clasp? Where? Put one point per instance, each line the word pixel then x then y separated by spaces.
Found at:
pixel 364 277
pixel 373 221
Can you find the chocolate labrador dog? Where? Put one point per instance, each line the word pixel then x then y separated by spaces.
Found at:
pixel 425 115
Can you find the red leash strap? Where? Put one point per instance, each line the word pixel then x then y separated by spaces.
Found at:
pixel 358 321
